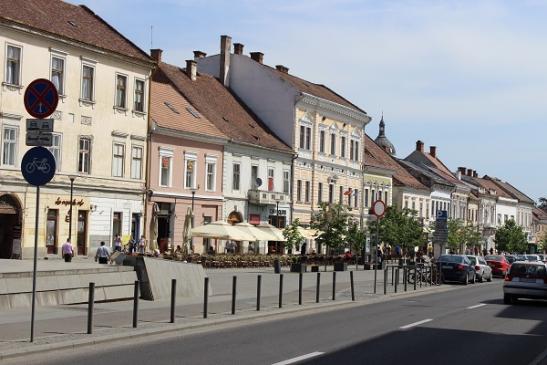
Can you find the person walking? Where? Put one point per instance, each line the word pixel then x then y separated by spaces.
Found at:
pixel 142 245
pixel 67 250
pixel 102 254
pixel 118 243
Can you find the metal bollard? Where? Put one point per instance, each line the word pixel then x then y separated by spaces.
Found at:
pixel 352 286
pixel 300 276
pixel 415 276
pixel 396 279
pixel 135 303
pixel 392 275
pixel 318 285
pixel 205 296
pixel 258 289
pixel 375 277
pixel 385 280
pixel 90 305
pixel 280 290
pixel 421 275
pixel 431 276
pixel 334 285
pixel 405 277
pixel 234 286
pixel 173 298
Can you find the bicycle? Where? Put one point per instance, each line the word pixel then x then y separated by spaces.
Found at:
pixel 40 165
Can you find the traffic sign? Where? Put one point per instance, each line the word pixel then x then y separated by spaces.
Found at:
pixel 40 125
pixel 38 166
pixel 442 215
pixel 39 132
pixel 41 98
pixel 378 208
pixel 39 139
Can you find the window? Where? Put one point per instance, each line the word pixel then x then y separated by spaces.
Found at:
pixel 118 158
pixel 426 209
pixel 356 151
pixel 286 186
pixel 356 203
pixel 366 198
pixel 386 196
pixel 254 176
pixel 432 208
pixel 9 148
pixel 421 209
pixel 305 137
pixel 121 88
pixel 190 171
pixel 55 150
pixel 58 73
pixel 307 192
pixel 319 192
pixel 341 195
pixel 210 170
pixel 235 176
pixel 165 170
pixel 351 150
pixel 343 147
pixel 322 141
pixel 406 204
pixel 136 162
pixel 331 193
pixel 299 190
pixel 349 197
pixel 270 179
pixel 139 96
pixel 372 196
pixel 333 144
pixel 413 205
pixel 13 65
pixel 302 136
pixel 308 138
pixel 84 157
pixel 88 76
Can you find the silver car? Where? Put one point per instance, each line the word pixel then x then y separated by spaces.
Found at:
pixel 525 280
pixel 482 270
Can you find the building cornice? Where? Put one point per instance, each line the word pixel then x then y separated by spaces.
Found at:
pixel 346 114
pixel 378 170
pixel 156 129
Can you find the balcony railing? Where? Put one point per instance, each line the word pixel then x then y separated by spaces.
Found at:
pixel 262 197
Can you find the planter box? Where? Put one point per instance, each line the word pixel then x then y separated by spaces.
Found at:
pixel 340 266
pixel 298 267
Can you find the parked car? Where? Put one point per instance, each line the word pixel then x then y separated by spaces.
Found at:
pixel 533 258
pixel 543 257
pixel 457 268
pixel 482 270
pixel 511 258
pixel 525 280
pixel 498 263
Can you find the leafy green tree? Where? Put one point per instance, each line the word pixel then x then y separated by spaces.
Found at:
pixel 472 237
pixel 356 238
pixel 332 221
pixel 542 243
pixel 292 235
pixel 399 228
pixel 511 238
pixel 456 235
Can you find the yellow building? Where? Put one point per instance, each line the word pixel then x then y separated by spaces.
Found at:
pixel 100 128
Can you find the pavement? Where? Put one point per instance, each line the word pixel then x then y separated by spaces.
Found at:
pixel 454 325
pixel 64 327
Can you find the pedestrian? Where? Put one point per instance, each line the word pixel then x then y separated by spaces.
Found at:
pixel 67 250
pixel 102 254
pixel 118 243
pixel 142 244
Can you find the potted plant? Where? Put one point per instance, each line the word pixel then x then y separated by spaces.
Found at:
pixel 297 264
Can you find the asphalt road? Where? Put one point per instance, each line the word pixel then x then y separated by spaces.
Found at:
pixel 470 325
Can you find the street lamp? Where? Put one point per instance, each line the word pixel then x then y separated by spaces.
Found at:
pixel 193 190
pixel 72 178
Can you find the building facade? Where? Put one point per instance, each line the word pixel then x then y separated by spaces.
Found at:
pixel 100 128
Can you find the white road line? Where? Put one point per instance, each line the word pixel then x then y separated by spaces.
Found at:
pixel 476 306
pixel 299 358
pixel 415 324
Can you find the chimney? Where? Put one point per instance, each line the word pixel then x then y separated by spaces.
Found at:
pixel 225 46
pixel 238 48
pixel 462 170
pixel 459 174
pixel 191 69
pixel 475 173
pixel 257 56
pixel 156 54
pixel 282 68
pixel 419 146
pixel 199 54
pixel 433 151
pixel 469 172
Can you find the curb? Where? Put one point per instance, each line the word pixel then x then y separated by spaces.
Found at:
pixel 238 320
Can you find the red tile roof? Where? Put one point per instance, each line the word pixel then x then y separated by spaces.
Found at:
pixel 511 190
pixel 223 109
pixel 76 23
pixel 377 157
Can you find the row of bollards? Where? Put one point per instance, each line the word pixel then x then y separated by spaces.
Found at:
pixel 395 280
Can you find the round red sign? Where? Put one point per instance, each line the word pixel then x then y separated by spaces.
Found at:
pixel 378 208
pixel 41 98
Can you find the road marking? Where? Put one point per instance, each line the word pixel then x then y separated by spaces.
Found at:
pixel 415 324
pixel 476 306
pixel 299 358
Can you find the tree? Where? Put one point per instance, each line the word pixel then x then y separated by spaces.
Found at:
pixel 542 243
pixel 292 235
pixel 542 204
pixel 456 235
pixel 511 238
pixel 332 221
pixel 399 228
pixel 356 238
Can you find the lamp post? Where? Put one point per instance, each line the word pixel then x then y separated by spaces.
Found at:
pixel 72 178
pixel 194 189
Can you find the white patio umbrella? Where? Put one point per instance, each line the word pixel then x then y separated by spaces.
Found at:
pixel 187 232
pixel 276 233
pixel 257 233
pixel 222 230
pixel 308 233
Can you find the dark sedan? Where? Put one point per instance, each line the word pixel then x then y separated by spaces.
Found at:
pixel 457 268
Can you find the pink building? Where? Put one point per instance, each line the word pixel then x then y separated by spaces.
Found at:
pixel 185 164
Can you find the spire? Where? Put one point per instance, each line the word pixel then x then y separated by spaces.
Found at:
pixel 382 140
pixel 382 127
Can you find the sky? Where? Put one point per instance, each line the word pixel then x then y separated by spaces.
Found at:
pixel 469 77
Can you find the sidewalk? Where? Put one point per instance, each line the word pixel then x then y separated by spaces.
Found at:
pixel 65 326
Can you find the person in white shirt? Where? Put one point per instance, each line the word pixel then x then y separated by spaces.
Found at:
pixel 102 254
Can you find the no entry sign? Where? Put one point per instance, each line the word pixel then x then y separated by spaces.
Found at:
pixel 41 98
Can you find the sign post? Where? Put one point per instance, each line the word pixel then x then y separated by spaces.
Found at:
pixel 38 164
pixel 378 209
pixel 440 237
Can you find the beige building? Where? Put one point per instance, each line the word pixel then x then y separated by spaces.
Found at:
pixel 100 128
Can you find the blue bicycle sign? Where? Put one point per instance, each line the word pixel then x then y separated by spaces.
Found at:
pixel 38 166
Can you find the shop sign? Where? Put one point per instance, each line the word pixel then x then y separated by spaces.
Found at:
pixel 60 201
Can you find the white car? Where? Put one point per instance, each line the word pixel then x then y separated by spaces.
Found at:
pixel 482 270
pixel 525 280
